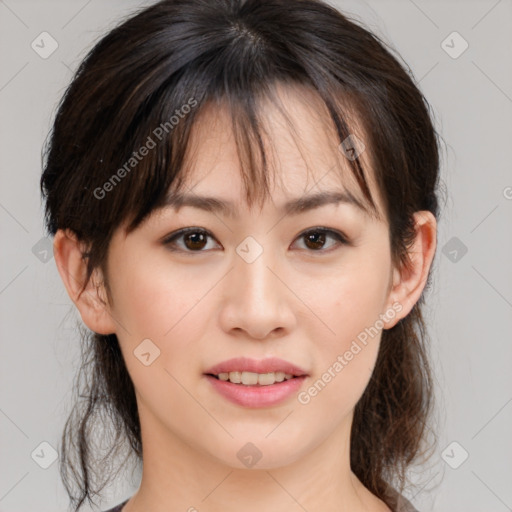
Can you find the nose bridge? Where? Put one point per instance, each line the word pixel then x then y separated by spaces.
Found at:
pixel 252 270
pixel 257 299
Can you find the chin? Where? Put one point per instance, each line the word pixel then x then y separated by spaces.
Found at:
pixel 258 453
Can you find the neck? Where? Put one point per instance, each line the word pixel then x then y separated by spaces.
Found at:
pixel 177 476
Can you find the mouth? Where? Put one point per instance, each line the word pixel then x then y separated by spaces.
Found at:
pixel 252 372
pixel 256 383
pixel 254 379
pixel 256 395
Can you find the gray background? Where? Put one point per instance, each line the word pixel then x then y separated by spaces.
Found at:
pixel 469 308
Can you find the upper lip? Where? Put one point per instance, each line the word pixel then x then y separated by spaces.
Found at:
pixel 245 364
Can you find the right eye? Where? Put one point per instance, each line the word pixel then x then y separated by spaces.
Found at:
pixel 194 240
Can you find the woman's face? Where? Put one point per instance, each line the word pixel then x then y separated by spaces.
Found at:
pixel 260 284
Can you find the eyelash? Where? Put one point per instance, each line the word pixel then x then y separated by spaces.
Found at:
pixel 170 240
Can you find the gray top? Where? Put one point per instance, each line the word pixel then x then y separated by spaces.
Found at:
pixel 400 503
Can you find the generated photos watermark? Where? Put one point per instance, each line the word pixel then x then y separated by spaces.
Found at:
pixel 357 345
pixel 158 133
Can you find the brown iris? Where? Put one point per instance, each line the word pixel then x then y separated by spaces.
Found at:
pixel 197 239
pixel 316 239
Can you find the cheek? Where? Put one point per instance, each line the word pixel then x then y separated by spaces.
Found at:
pixel 157 303
pixel 351 299
pixel 345 361
pixel 350 305
pixel 154 301
pixel 161 313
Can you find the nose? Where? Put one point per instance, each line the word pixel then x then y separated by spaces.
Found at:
pixel 258 304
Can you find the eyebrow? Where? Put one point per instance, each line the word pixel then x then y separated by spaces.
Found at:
pixel 292 207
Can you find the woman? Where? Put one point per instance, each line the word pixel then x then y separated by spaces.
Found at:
pixel 243 199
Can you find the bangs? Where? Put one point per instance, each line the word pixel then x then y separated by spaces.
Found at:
pixel 127 118
pixel 170 123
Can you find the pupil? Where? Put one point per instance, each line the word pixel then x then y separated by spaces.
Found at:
pixel 197 239
pixel 313 237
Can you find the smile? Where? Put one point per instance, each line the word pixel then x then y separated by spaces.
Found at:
pixel 254 379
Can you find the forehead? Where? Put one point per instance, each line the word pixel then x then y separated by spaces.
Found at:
pixel 301 147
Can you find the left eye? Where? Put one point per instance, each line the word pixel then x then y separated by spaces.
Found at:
pixel 315 238
pixel 195 239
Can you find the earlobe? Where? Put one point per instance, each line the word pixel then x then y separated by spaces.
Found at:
pixel 91 302
pixel 409 282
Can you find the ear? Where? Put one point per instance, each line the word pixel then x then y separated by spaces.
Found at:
pixel 92 302
pixel 408 283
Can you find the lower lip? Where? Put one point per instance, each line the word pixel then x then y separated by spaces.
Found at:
pixel 257 396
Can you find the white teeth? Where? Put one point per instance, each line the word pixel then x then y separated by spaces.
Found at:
pixel 235 377
pixel 251 378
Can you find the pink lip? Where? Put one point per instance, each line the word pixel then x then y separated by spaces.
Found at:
pixel 256 396
pixel 244 364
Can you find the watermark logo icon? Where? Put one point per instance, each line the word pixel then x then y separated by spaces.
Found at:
pixel 44 45
pixel 249 249
pixel 43 250
pixel 249 455
pixel 147 352
pixel 454 249
pixel 455 455
pixel 352 146
pixel 454 45
pixel 44 455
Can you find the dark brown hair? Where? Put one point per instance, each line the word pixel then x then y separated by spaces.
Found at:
pixel 203 52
